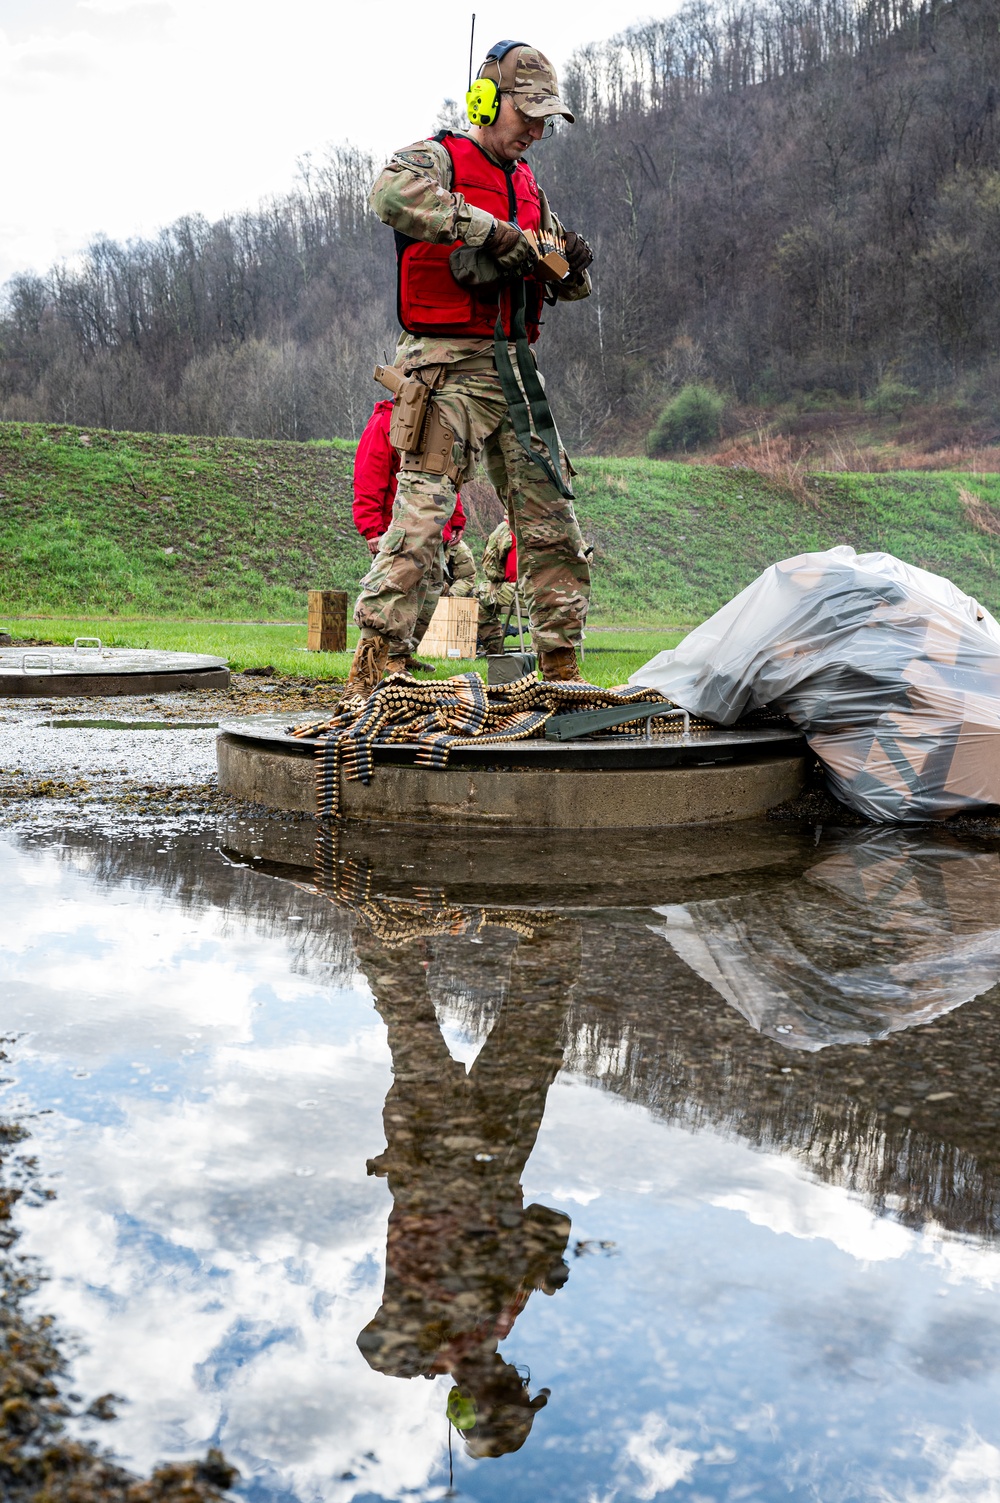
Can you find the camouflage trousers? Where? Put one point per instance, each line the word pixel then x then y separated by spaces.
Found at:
pixel 549 543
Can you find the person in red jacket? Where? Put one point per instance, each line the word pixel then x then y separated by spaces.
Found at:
pixel 376 467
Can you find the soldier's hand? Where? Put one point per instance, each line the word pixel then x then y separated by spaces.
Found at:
pixel 373 545
pixel 509 249
pixel 578 252
pixel 502 238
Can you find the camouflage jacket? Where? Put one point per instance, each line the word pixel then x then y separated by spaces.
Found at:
pixel 413 194
pixel 498 545
pixel 459 567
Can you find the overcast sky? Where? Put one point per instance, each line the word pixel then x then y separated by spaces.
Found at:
pixel 120 115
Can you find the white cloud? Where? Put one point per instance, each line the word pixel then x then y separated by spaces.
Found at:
pixel 121 7
pixel 791 1206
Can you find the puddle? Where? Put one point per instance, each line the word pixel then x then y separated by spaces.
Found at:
pixel 68 723
pixel 624 1168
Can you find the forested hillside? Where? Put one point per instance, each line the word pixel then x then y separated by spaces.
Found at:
pixel 795 200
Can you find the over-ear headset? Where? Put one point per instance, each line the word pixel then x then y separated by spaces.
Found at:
pixel 482 102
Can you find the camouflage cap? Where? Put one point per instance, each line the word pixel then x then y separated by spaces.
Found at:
pixel 528 76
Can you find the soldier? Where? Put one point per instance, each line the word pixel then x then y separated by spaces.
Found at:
pixel 459 569
pixel 464 1254
pixel 471 292
pixel 376 466
pixel 497 591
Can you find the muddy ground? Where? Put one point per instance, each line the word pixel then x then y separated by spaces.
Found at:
pixel 52 770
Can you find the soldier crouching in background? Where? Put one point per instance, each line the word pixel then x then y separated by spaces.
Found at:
pixel 471 291
pixel 497 591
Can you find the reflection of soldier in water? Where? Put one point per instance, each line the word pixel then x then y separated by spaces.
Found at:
pixel 463 1252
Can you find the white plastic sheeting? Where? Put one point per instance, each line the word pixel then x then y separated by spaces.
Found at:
pixel 887 931
pixel 892 673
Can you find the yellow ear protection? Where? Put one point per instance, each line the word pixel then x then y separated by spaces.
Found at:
pixel 482 102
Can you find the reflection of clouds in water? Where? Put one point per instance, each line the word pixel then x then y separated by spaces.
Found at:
pixel 804 1299
pixel 669 1163
pixel 961 1260
pixel 656 1453
pixel 155 968
pixel 959 1344
pixel 775 1195
pixel 152 966
pixel 967 1472
pixel 211 1284
pixel 229 1296
pixel 223 1292
pixel 592 1145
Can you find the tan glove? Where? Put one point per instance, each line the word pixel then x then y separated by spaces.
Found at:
pixel 474 267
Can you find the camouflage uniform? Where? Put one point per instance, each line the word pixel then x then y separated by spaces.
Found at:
pixel 413 195
pixel 460 567
pixel 464 1254
pixel 496 593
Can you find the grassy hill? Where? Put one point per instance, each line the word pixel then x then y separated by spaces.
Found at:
pixel 125 524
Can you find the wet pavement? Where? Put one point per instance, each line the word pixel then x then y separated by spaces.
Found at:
pixel 580 1168
pixel 125 759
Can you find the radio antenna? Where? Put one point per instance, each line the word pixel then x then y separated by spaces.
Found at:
pixel 472 43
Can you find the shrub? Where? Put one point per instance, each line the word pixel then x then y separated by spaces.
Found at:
pixel 692 418
pixel 890 397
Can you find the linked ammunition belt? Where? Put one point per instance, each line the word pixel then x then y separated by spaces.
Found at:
pixel 459 711
pixel 399 921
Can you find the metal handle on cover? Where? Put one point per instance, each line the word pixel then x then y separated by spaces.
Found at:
pixel 37 662
pixel 669 715
pixel 87 644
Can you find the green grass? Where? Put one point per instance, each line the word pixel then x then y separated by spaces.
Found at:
pixel 611 657
pixel 136 524
pixel 123 525
pixel 674 542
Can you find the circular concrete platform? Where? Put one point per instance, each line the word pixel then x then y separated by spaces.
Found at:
pixel 619 783
pixel 90 668
pixel 555 869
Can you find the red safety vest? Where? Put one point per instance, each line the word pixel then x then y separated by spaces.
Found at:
pixel 429 300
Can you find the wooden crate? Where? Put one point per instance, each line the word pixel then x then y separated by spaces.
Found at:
pixel 327 621
pixel 452 632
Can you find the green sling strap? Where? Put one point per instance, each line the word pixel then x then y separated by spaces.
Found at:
pixel 530 405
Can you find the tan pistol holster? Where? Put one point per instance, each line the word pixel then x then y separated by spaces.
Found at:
pixel 416 428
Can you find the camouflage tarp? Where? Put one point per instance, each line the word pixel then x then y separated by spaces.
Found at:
pixel 892 673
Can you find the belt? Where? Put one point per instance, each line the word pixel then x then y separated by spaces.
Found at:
pixel 473 364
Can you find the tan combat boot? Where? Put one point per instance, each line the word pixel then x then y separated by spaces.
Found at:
pixel 370 658
pixel 559 666
pixel 406 663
